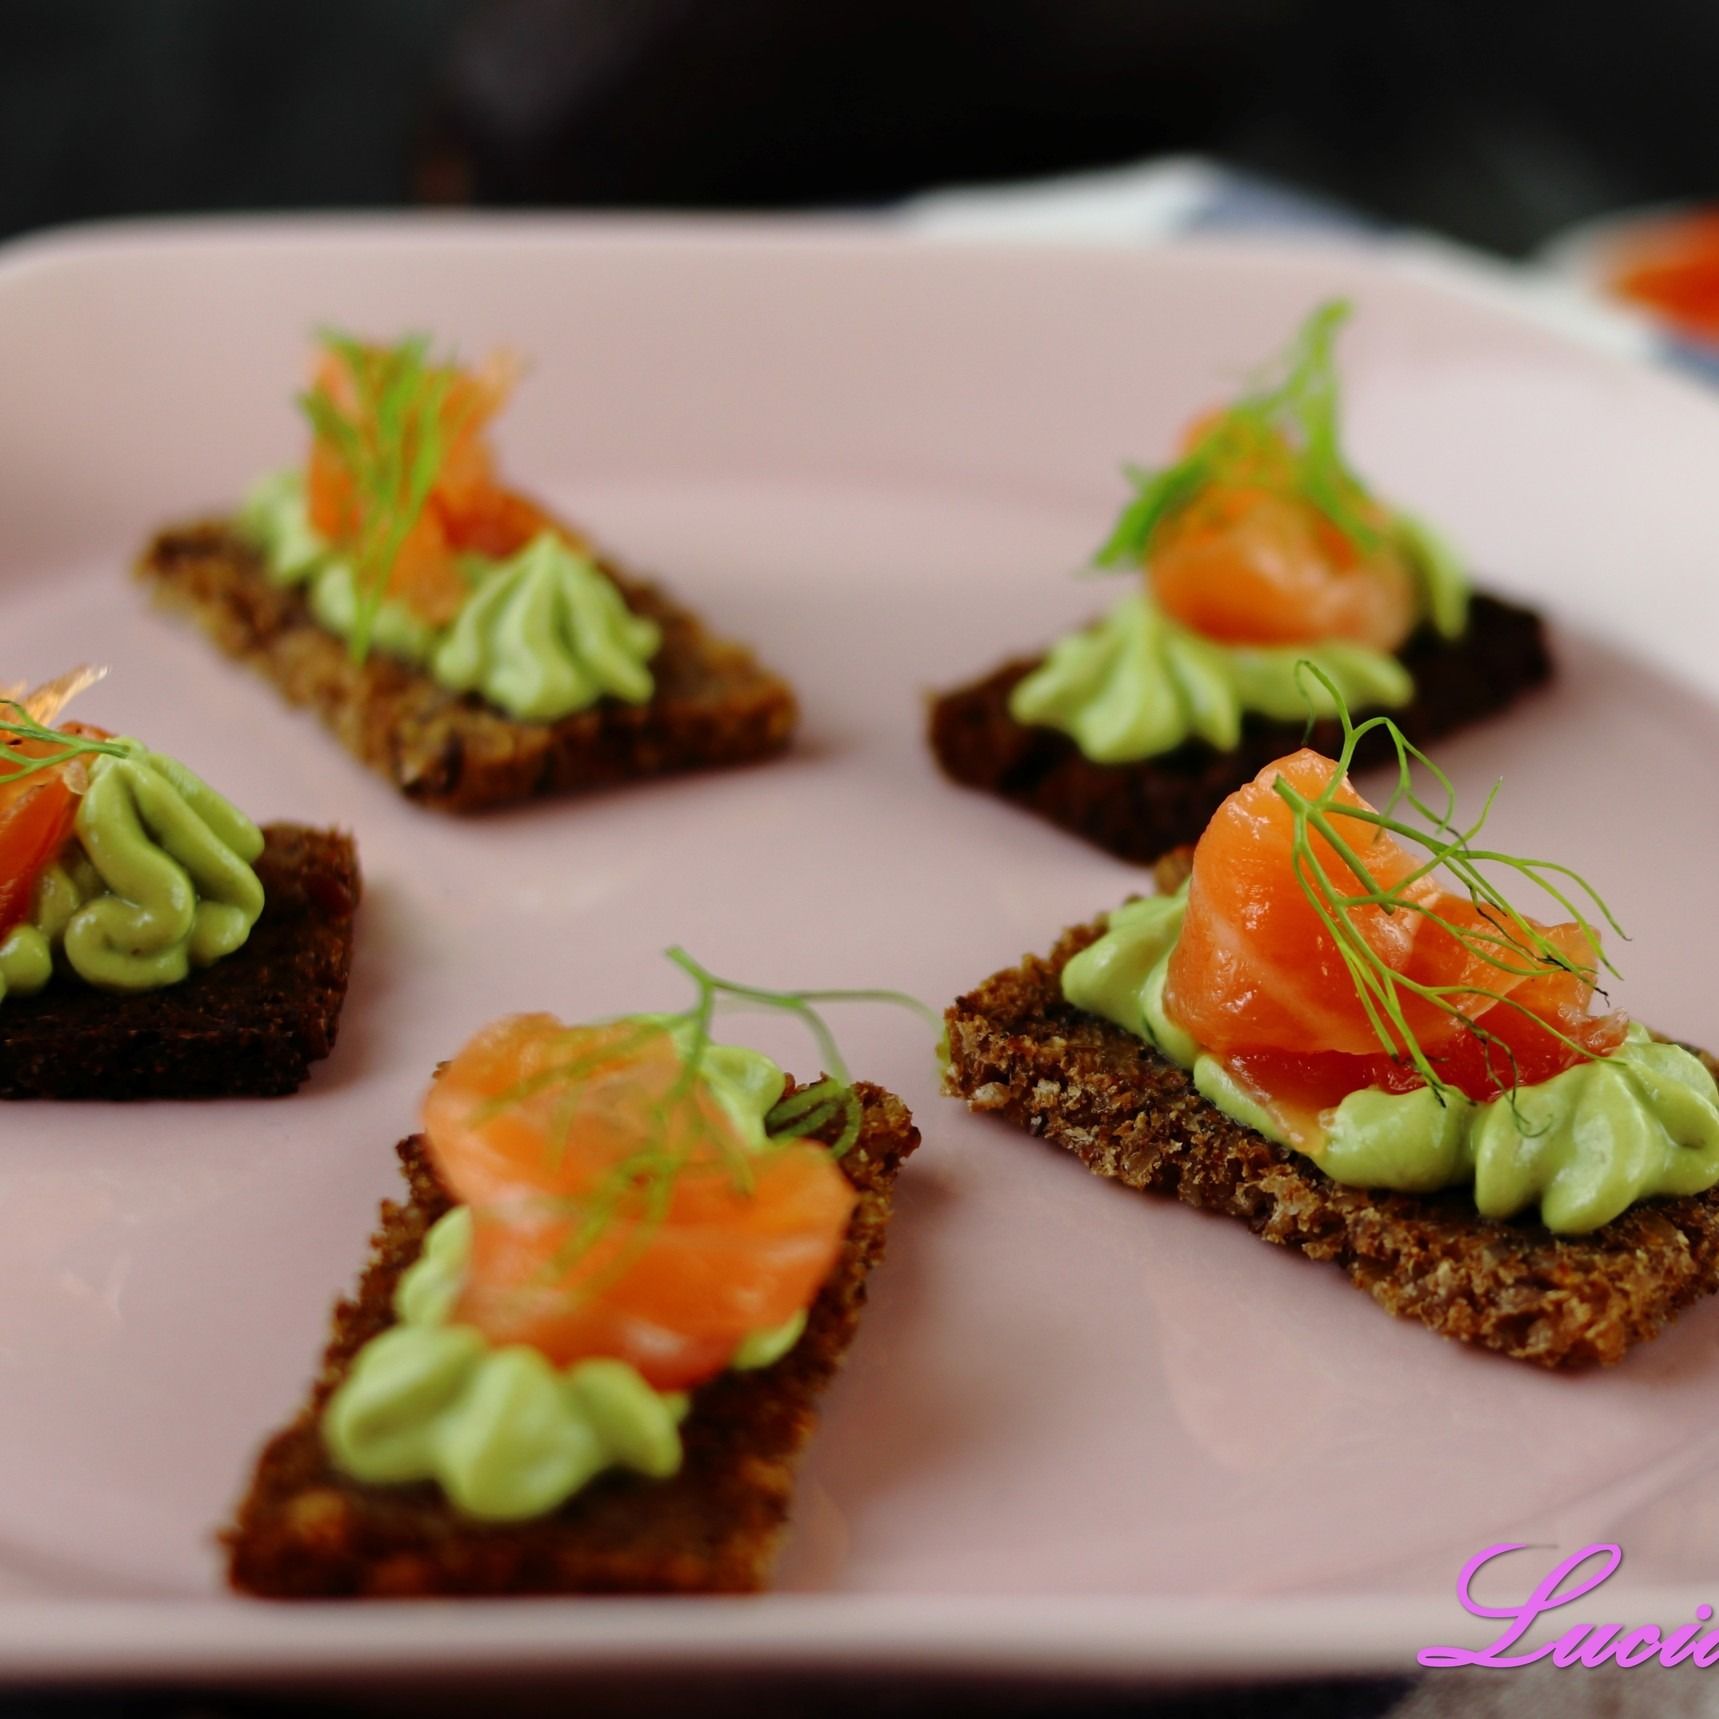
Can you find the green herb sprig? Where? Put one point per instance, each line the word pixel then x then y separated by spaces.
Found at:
pixel 1289 414
pixel 392 445
pixel 642 1182
pixel 1508 943
pixel 17 724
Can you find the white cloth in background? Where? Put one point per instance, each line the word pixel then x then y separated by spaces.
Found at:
pixel 1157 200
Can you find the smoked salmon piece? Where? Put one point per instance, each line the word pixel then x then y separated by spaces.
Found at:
pixel 37 814
pixel 36 818
pixel 467 511
pixel 1257 975
pixel 1249 566
pixel 1250 562
pixel 618 1208
pixel 1255 967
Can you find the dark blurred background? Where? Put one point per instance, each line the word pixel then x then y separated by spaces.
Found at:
pixel 1497 121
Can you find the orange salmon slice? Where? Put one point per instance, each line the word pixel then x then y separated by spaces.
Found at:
pixel 468 509
pixel 1259 979
pixel 617 1209
pixel 1247 561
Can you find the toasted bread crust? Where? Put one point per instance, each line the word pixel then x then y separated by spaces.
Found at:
pixel 1019 1051
pixel 248 1027
pixel 1139 811
pixel 305 1531
pixel 713 705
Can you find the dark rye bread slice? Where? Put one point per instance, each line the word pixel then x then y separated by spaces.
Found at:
pixel 305 1531
pixel 248 1027
pixel 1019 1051
pixel 713 705
pixel 1138 811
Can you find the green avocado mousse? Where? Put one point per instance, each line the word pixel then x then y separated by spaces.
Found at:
pixel 120 870
pixel 1257 549
pixel 403 540
pixel 634 1214
pixel 1353 983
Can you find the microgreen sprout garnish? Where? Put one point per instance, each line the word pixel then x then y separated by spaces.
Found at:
pixel 392 443
pixel 686 1130
pixel 810 1110
pixel 1504 940
pixel 29 744
pixel 1282 435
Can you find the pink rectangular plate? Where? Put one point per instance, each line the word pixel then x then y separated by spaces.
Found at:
pixel 1082 1432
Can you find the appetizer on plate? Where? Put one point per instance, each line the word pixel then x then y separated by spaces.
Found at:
pixel 586 1352
pixel 1340 1030
pixel 154 943
pixel 1258 548
pixel 455 636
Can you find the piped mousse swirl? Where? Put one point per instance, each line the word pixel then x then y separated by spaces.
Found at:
pixel 119 868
